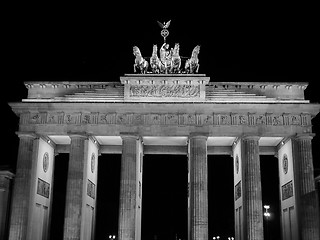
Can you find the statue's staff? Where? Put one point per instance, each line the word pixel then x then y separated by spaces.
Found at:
pixel 164 31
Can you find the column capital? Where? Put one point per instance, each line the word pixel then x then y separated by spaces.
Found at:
pixel 129 135
pixel 304 136
pixel 198 135
pixel 27 135
pixel 78 135
pixel 250 137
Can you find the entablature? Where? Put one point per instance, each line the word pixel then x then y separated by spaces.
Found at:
pixel 166 88
pixel 159 119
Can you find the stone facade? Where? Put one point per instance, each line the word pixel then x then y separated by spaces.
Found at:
pixel 195 117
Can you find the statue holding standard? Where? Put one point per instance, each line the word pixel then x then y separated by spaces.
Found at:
pixel 165 56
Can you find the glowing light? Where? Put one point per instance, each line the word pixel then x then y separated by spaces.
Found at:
pixel 267 214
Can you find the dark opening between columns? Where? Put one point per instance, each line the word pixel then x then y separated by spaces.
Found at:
pixel 59 195
pixel 220 196
pixel 108 191
pixel 270 196
pixel 164 203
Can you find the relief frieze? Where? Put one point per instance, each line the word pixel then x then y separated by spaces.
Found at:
pixel 156 91
pixel 153 119
pixel 171 119
pixel 295 120
pixel 137 119
pixel 122 119
pixel 72 118
pixel 222 119
pixel 206 119
pixel 52 118
pixel 260 119
pixel 215 119
pixel 107 118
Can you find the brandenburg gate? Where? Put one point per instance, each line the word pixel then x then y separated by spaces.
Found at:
pixel 168 112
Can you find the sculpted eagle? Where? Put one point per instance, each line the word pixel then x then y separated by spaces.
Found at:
pixel 164 25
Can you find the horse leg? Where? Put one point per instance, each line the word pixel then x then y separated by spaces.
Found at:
pixel 186 66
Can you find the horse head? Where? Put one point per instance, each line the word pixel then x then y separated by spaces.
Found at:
pixel 196 51
pixel 176 49
pixel 154 50
pixel 136 51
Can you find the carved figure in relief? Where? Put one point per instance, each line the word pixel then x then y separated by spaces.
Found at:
pixel 276 120
pixel 139 62
pixel 155 63
pixel 192 64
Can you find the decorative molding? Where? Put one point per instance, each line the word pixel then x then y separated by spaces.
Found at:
pixel 180 119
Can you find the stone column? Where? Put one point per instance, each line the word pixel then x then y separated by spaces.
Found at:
pixel 5 187
pixel 22 188
pixel 252 195
pixel 128 188
pixel 307 199
pixel 74 193
pixel 198 188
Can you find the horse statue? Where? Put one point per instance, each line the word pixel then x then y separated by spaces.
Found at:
pixel 139 62
pixel 175 59
pixel 192 64
pixel 155 63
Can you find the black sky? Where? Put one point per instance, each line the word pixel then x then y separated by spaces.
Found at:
pixel 239 42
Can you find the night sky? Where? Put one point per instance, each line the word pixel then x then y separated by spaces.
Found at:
pixel 242 42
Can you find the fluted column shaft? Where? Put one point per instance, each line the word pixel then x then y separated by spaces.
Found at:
pixel 252 195
pixel 5 183
pixel 21 188
pixel 128 186
pixel 198 215
pixel 307 195
pixel 74 193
